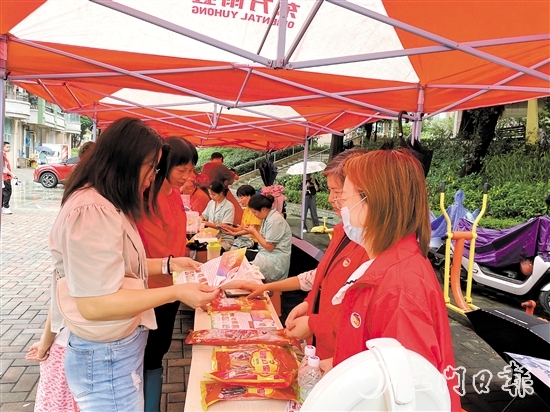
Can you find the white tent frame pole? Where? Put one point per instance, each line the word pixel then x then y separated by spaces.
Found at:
pixel 125 72
pixel 137 105
pixel 304 189
pixel 184 32
pixel 304 64
pixel 376 115
pixel 245 82
pixel 317 96
pixel 94 125
pixel 281 34
pixel 319 127
pixel 326 94
pixel 3 76
pixel 49 93
pixel 303 29
pixel 250 124
pixel 439 39
pixel 86 112
pixel 321 94
pixel 481 92
pixel 65 76
pixel 269 26
pixel 489 87
pixel 339 133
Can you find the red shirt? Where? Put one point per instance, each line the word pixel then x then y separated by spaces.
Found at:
pixel 398 297
pixel 332 273
pixel 164 234
pixel 7 165
pixel 199 200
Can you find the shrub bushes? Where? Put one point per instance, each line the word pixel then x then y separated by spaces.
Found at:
pixel 518 175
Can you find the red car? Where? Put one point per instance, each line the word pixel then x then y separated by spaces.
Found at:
pixel 52 174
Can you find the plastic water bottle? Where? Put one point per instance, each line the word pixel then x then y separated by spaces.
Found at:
pixel 312 374
pixel 309 350
pixel 213 250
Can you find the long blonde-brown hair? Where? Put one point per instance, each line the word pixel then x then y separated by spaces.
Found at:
pixel 395 189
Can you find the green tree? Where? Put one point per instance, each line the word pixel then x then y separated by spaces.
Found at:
pixel 477 131
pixel 86 124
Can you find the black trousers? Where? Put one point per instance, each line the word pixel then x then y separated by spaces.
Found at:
pixel 160 339
pixel 6 194
pixel 311 205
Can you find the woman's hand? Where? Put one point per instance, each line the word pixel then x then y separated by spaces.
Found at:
pixel 225 228
pixel 297 312
pixel 255 288
pixel 178 264
pixel 298 328
pixel 196 294
pixel 38 352
pixel 325 365
pixel 251 230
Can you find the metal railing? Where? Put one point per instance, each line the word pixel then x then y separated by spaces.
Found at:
pixel 19 96
pixel 259 160
pixel 320 156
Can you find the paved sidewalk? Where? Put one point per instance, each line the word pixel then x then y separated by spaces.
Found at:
pixel 24 299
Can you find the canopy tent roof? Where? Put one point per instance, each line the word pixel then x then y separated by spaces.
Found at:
pixel 334 64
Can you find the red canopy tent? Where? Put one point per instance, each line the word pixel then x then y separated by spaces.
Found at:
pixel 293 69
pixel 334 64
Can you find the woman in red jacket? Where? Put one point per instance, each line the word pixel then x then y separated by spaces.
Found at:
pixel 395 294
pixel 317 316
pixel 163 232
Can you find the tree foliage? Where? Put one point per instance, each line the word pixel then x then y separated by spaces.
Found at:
pixel 477 131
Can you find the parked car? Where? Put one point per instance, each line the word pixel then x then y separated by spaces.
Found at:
pixel 50 175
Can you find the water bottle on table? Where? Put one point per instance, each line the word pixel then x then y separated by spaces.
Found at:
pixel 311 375
pixel 309 350
pixel 213 250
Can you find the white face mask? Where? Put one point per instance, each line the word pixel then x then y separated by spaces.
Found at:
pixel 354 233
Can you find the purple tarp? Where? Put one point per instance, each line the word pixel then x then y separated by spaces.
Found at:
pixel 499 248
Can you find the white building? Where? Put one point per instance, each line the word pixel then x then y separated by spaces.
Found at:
pixel 31 121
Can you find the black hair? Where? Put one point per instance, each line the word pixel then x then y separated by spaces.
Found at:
pixel 6 142
pixel 182 152
pixel 216 155
pixel 218 187
pixel 113 167
pixel 258 202
pixel 246 190
pixel 176 151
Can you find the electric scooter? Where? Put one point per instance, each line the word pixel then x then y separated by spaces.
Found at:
pixel 514 260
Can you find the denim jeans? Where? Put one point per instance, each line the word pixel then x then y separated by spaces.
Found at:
pixel 107 376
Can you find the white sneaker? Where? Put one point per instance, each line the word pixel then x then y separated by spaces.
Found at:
pixel 6 211
pixel 305 230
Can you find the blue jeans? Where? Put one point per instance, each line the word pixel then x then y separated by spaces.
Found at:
pixel 107 376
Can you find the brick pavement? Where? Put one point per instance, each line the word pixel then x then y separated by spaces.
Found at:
pixel 24 298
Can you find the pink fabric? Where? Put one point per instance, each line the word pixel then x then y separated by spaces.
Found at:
pixel 277 192
pixel 53 393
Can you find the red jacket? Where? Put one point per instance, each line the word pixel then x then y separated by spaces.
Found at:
pixel 398 297
pixel 164 234
pixel 324 325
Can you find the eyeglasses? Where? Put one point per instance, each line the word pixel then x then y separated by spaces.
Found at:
pixel 338 200
pixel 153 167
